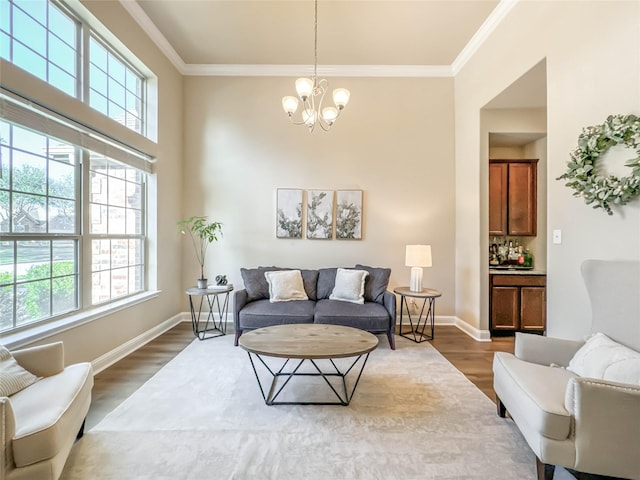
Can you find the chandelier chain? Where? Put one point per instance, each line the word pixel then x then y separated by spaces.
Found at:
pixel 315 43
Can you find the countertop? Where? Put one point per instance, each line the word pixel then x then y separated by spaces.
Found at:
pixel 535 271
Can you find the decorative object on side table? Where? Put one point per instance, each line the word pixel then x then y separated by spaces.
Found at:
pixel 416 257
pixel 203 233
pixel 585 178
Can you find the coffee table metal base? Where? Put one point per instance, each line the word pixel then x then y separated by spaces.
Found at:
pixel 342 392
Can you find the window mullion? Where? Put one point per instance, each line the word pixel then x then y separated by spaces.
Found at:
pixel 84 249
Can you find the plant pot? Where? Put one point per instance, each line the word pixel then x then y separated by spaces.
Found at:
pixel 203 283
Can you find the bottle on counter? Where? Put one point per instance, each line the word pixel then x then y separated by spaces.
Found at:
pixel 528 258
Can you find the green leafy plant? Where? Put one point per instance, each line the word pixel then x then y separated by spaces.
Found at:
pixel 202 233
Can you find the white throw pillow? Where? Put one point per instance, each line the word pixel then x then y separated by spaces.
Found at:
pixel 349 286
pixel 13 378
pixel 285 285
pixel 605 359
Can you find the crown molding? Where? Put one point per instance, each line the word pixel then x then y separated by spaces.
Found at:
pixel 489 25
pixel 156 36
pixel 236 70
pixel 242 70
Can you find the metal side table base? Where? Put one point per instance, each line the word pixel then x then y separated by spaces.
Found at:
pixel 212 328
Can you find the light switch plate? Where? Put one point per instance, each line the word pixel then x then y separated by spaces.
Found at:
pixel 557 237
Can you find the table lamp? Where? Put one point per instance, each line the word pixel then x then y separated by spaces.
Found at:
pixel 417 256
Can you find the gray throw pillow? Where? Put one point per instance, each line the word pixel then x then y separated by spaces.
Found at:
pixel 376 283
pixel 255 282
pixel 326 282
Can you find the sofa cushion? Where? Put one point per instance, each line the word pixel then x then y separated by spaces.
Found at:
pixel 263 313
pixel 369 316
pixel 376 283
pixel 255 282
pixel 326 281
pixel 285 286
pixel 14 378
pixel 257 287
pixel 50 411
pixel 605 359
pixel 349 286
pixel 534 393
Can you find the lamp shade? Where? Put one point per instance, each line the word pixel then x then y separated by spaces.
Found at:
pixel 418 256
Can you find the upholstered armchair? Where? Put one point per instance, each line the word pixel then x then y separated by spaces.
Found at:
pixel 590 425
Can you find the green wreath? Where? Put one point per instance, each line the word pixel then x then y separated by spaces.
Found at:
pixel 592 143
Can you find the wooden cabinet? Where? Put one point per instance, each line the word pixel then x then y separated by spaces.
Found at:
pixel 513 188
pixel 517 303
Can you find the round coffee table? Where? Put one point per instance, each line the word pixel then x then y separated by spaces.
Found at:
pixel 308 343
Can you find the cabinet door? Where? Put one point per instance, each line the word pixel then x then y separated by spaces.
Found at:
pixel 504 308
pixel 498 188
pixel 533 308
pixel 522 198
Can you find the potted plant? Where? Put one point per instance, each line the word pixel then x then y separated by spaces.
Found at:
pixel 203 233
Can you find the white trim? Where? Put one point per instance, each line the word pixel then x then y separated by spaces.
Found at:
pixel 156 36
pixel 105 361
pixel 237 70
pixel 486 29
pixel 242 70
pixel 473 332
pixel 36 333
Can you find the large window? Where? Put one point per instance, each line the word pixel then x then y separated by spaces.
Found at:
pixel 42 37
pixel 39 206
pixel 117 230
pixel 115 88
pixel 43 250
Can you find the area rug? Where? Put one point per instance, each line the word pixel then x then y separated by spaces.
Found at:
pixel 413 416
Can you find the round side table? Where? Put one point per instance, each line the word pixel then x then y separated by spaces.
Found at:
pixel 428 296
pixel 212 328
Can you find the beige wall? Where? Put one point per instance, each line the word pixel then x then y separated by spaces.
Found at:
pixel 585 59
pixel 93 339
pixel 394 141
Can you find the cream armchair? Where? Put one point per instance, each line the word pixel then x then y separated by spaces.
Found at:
pixel 585 424
pixel 40 423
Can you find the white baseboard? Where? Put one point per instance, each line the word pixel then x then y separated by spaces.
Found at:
pixel 118 353
pixel 475 333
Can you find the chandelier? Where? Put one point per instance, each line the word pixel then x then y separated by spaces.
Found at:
pixel 311 92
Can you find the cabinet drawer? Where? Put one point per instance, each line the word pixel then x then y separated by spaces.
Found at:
pixel 519 280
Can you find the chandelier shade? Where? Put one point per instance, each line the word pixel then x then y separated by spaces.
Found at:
pixel 311 92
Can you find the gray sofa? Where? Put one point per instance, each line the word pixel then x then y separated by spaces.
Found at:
pixel 252 308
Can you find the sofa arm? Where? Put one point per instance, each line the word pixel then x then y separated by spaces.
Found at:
pixel 389 302
pixel 240 299
pixel 606 426
pixel 43 360
pixel 545 350
pixel 8 423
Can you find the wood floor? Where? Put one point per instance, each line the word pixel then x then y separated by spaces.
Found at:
pixel 116 383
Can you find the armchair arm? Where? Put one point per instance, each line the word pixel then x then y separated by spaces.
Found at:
pixel 240 298
pixel 545 350
pixel 606 426
pixel 389 302
pixel 8 424
pixel 43 360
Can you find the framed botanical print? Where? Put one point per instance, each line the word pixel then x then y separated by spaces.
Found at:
pixel 320 214
pixel 349 214
pixel 289 213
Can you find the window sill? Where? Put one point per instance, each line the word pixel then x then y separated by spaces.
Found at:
pixel 36 333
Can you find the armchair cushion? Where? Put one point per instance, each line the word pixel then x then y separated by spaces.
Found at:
pixel 606 359
pixel 534 393
pixel 14 378
pixel 376 283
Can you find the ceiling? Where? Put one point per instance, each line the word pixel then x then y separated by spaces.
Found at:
pixel 350 32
